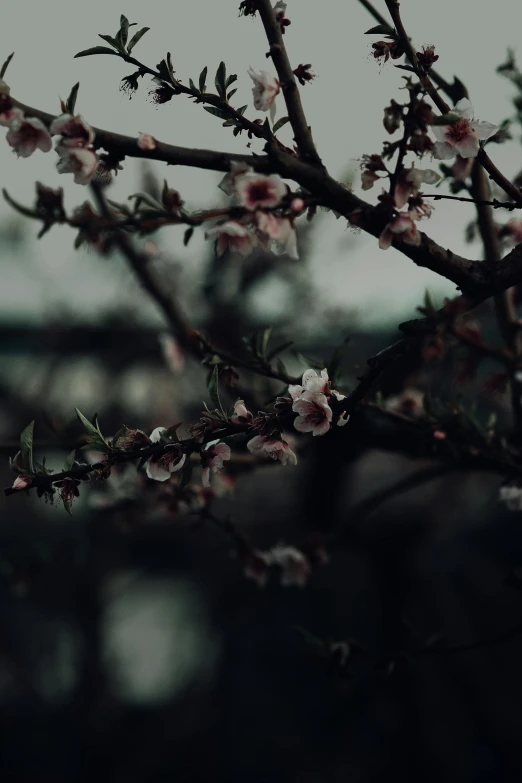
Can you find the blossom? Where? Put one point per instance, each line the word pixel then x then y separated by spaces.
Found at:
pixel 409 183
pixel 233 236
pixel 68 490
pixel 257 191
pixel 314 413
pixel 212 456
pixel 402 224
pixel 409 401
pixel 463 135
pixel 146 141
pixel 27 134
pixel 22 481
pixel 237 169
pixel 272 446
pixel 513 231
pixel 279 231
pixel 159 468
pixel 511 496
pixel 294 565
pixel 78 161
pixel 265 90
pixel 75 132
pixel 241 415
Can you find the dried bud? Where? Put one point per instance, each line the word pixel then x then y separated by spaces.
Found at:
pixel 392 117
pixel 427 57
pixel 302 72
pixel 247 8
pixel 422 115
pixel 49 202
pixel 420 143
pixel 130 440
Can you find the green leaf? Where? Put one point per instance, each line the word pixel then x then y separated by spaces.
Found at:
pixel 96 50
pixel 89 428
pixel 71 100
pixel 26 446
pixel 230 94
pixel 113 41
pixel 192 86
pixel 263 343
pixel 188 235
pixel 19 208
pixel 146 198
pixel 337 357
pixel 223 115
pixel 4 66
pixel 220 80
pixel 69 460
pixel 281 367
pixel 242 109
pixel 279 124
pixel 231 79
pixel 186 473
pixel 405 68
pixel 381 29
pixel 213 390
pixel 123 32
pixel 137 37
pixel 171 433
pixel 279 349
pixel 203 79
pixel 171 69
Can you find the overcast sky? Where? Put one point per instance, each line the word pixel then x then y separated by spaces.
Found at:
pixel 344 106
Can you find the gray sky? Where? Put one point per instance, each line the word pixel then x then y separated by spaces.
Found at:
pixel 344 106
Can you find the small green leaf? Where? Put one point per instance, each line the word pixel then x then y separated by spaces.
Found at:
pixel 193 86
pixel 171 433
pixel 263 343
pixel 19 208
pixel 146 198
pixel 231 79
pixel 123 32
pixel 26 446
pixel 213 390
pixel 112 41
pixel 279 124
pixel 187 236
pixel 89 428
pixel 69 460
pixel 171 69
pixel 381 29
pixel 230 94
pixel 405 68
pixel 71 100
pixel 242 109
pixel 137 37
pixel 203 79
pixel 220 80
pixel 4 66
pixel 96 50
pixel 223 115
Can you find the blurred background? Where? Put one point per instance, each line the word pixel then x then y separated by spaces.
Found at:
pixel 132 647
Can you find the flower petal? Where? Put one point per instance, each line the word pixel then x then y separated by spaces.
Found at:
pixel 468 147
pixel 464 108
pixel 443 151
pixel 484 129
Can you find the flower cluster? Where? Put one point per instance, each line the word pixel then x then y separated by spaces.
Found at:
pixel 311 401
pixel 256 193
pixel 74 147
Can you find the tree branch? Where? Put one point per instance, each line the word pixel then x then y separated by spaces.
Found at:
pixel 302 132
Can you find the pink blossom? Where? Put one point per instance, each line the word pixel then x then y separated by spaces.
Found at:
pixel 237 169
pixel 75 132
pixel 279 231
pixel 146 141
pixel 295 566
pixel 241 415
pixel 402 224
pixel 257 191
pixel 511 496
pixel 160 468
pixel 297 205
pixel 78 161
pixel 233 236
pixel 314 413
pixel 265 90
pixel 368 178
pixel 25 135
pixel 8 114
pixel 272 446
pixel 513 230
pixel 172 353
pixel 409 401
pixel 461 136
pixel 22 481
pixel 313 382
pixel 409 183
pixel 212 456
